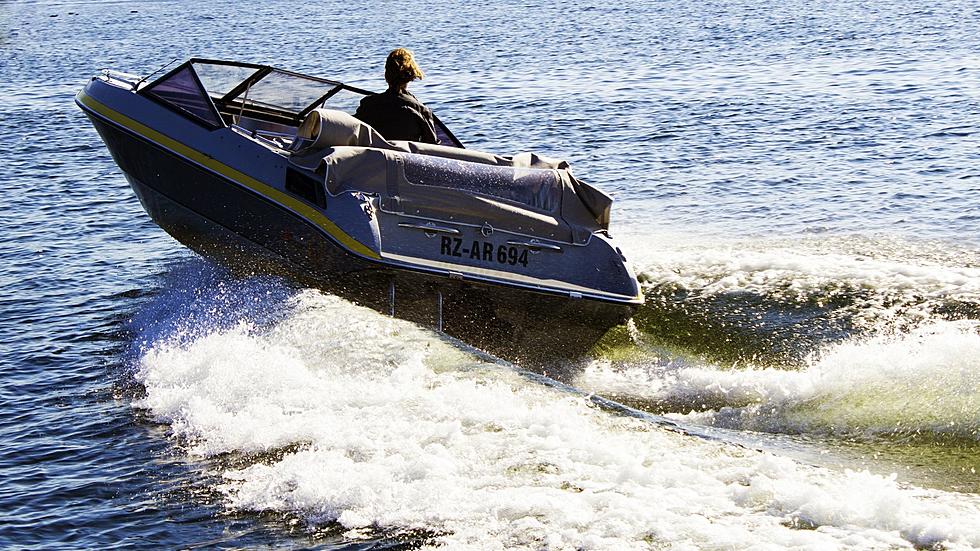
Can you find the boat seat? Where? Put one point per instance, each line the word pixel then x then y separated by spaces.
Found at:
pixel 324 128
pixel 329 128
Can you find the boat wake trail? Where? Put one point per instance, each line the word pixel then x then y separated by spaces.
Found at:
pixel 817 340
pixel 345 421
pixel 851 337
pixel 773 303
pixel 922 384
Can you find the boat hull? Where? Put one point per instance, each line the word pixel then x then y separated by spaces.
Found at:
pixel 245 230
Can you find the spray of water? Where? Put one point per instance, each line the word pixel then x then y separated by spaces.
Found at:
pixel 345 418
pixel 774 303
pixel 922 383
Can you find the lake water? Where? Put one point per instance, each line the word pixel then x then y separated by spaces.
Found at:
pixel 797 184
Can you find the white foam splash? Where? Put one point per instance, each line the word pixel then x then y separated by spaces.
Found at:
pixel 794 272
pixel 919 272
pixel 397 430
pixel 923 382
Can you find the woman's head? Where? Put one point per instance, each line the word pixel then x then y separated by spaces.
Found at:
pixel 400 68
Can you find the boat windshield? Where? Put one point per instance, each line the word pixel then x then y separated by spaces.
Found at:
pixel 219 79
pixel 231 83
pixel 284 91
pixel 215 92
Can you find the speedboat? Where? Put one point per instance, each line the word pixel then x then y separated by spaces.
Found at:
pixel 254 165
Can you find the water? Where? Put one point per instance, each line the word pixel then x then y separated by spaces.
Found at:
pixel 796 184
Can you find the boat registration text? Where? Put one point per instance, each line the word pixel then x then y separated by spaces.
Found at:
pixel 482 251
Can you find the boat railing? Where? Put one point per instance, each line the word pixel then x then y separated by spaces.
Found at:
pixel 119 78
pixel 275 140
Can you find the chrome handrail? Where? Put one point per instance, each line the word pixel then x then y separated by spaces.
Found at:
pixel 429 228
pixel 534 245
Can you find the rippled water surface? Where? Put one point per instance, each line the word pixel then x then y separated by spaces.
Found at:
pixel 797 185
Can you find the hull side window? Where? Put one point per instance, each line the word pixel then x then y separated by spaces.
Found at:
pixel 305 188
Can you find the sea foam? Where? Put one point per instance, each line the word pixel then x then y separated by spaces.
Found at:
pixel 873 281
pixel 387 428
pixel 926 382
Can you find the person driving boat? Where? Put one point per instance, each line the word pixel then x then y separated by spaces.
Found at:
pixel 396 113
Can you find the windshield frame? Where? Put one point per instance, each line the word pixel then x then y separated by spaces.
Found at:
pixel 237 97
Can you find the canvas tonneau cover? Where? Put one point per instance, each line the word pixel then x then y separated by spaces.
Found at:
pixel 526 193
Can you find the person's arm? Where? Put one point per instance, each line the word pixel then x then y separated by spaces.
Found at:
pixel 429 132
pixel 363 110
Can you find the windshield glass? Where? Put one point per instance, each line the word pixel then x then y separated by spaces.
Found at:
pixel 221 79
pixel 287 92
pixel 182 90
pixel 344 100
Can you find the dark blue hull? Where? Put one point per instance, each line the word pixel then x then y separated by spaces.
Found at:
pixel 222 221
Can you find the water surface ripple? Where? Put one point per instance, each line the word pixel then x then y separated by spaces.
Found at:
pixel 797 184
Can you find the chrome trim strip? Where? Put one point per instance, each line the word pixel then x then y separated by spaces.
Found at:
pixel 429 228
pixel 533 245
pixel 506 278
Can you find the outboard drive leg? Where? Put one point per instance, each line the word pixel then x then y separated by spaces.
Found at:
pixel 439 311
pixel 391 297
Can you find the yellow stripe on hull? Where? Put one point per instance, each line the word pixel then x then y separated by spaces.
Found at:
pixel 237 176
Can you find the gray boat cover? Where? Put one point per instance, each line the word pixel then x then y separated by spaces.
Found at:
pixel 526 193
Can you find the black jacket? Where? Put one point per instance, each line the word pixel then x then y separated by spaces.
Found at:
pixel 398 116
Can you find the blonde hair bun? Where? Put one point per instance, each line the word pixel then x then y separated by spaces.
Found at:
pixel 401 68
